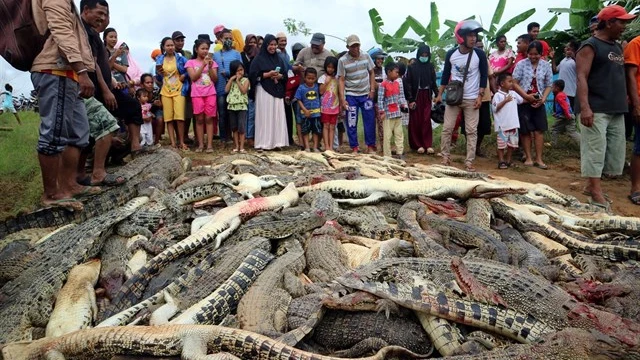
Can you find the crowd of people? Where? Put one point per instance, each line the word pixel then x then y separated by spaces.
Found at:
pixel 250 91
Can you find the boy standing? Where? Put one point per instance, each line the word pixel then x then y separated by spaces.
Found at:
pixel 308 98
pixel 562 111
pixel 505 114
pixel 391 105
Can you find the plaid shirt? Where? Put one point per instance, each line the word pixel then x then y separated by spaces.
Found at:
pixel 390 98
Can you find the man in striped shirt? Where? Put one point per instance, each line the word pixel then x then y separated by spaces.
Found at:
pixel 357 87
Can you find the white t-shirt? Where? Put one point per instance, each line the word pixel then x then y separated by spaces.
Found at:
pixel 458 63
pixel 507 117
pixel 567 72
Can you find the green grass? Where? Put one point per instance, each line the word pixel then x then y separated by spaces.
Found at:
pixel 20 180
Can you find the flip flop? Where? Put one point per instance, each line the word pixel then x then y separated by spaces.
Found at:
pixel 70 204
pixel 111 180
pixel 606 207
pixel 635 198
pixel 88 191
pixel 85 181
pixel 540 166
pixel 606 196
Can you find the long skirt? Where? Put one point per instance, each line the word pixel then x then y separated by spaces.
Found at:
pixel 271 124
pixel 420 131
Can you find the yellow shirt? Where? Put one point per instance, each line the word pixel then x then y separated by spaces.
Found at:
pixel 171 84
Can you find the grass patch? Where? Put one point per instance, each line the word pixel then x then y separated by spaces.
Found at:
pixel 20 179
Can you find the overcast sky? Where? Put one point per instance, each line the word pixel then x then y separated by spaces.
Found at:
pixel 143 23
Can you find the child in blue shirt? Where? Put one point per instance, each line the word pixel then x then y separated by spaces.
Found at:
pixel 308 98
pixel 7 104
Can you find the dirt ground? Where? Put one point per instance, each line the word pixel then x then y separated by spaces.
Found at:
pixel 563 175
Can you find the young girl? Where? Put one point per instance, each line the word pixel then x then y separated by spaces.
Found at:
pixel 7 104
pixel 146 129
pixel 237 100
pixel 147 82
pixel 330 106
pixel 170 69
pixel 203 72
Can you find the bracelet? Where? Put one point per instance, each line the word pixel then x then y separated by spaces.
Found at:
pixel 82 71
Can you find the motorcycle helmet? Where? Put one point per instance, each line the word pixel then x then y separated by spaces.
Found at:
pixel 437 113
pixel 465 27
pixel 377 53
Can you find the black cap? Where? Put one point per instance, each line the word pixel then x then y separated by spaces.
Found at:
pixel 205 37
pixel 317 39
pixel 177 35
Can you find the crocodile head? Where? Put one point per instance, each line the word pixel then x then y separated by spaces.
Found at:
pixel 488 190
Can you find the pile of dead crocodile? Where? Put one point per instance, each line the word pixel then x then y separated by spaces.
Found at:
pixel 318 256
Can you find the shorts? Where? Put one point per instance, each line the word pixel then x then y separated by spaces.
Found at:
pixel 331 119
pixel 159 114
pixel 636 140
pixel 507 138
pixel 532 119
pixel 238 120
pixel 128 108
pixel 63 117
pixel 207 105
pixel 9 108
pixel 602 146
pixel 173 108
pixel 312 125
pixel 101 122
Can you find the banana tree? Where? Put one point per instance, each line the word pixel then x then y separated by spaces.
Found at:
pixel 428 34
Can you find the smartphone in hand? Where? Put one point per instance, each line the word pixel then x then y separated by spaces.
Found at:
pixel 277 69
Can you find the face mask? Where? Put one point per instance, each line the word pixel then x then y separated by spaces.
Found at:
pixel 424 59
pixel 227 44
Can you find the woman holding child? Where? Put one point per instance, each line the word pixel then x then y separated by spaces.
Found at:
pixel 268 75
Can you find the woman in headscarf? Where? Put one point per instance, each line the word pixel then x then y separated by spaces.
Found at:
pixel 421 80
pixel 268 75
pixel 249 52
pixel 238 40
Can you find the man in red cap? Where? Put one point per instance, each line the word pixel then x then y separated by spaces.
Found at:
pixel 602 102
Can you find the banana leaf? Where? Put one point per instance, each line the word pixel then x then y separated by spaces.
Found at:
pixel 376 25
pixel 581 20
pixel 434 24
pixel 514 21
pixel 417 27
pixel 402 30
pixel 497 16
pixel 550 24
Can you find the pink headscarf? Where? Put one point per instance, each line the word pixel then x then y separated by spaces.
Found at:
pixel 134 72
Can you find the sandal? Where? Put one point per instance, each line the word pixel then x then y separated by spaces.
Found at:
pixel 110 180
pixel 430 151
pixel 235 150
pixel 184 147
pixel 209 150
pixel 242 151
pixel 503 165
pixel 588 193
pixel 606 207
pixel 199 150
pixel 445 161
pixel 421 150
pixel 635 198
pixel 470 168
pixel 540 166
pixel 70 204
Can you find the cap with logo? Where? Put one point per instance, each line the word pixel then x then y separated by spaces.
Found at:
pixel 317 39
pixel 352 40
pixel 614 12
pixel 177 35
